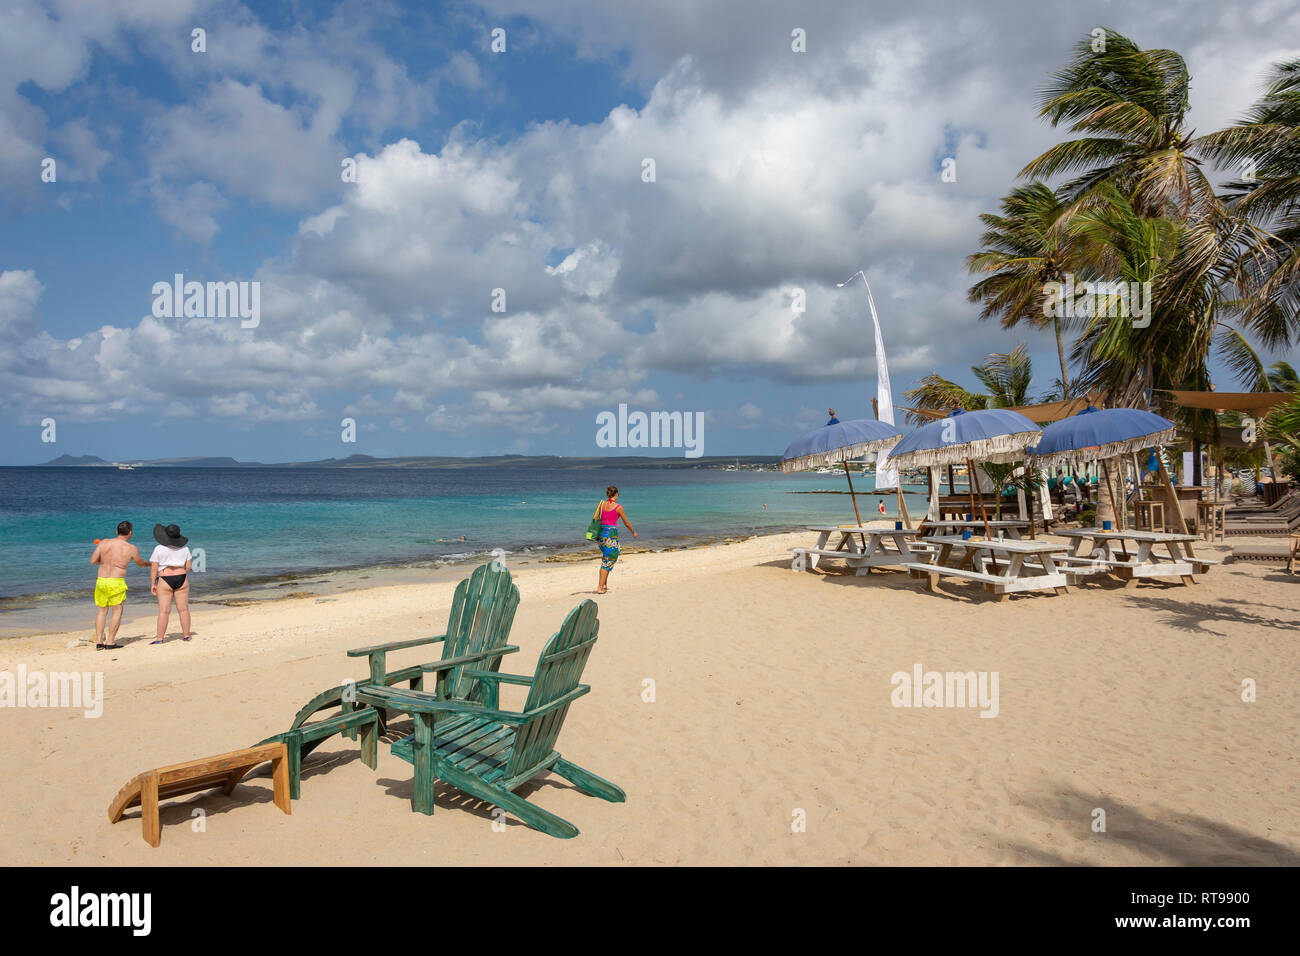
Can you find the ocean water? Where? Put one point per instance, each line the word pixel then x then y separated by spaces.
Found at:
pixel 259 524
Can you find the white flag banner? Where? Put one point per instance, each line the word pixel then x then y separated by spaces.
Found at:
pixel 886 477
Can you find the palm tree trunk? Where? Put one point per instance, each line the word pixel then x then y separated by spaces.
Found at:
pixel 1108 497
pixel 1060 353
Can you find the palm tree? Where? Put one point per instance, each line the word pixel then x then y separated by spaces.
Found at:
pixel 1005 375
pixel 1266 148
pixel 1119 355
pixel 1022 250
pixel 1130 105
pixel 1246 363
pixel 1141 209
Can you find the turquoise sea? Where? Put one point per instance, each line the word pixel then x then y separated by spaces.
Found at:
pixel 272 524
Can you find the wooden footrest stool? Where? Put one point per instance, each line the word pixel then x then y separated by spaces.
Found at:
pixel 224 771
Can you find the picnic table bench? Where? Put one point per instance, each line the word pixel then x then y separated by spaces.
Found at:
pixel 861 548
pixel 1027 565
pixel 1101 544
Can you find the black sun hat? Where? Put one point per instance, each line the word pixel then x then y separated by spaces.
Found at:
pixel 169 536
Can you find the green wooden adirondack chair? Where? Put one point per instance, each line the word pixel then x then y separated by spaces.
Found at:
pixel 482 613
pixel 478 626
pixel 489 753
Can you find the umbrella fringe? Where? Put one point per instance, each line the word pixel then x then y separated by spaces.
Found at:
pixel 1103 451
pixel 838 455
pixel 1000 448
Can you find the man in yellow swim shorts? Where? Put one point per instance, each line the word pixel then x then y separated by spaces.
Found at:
pixel 113 557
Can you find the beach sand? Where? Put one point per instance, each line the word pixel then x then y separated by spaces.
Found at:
pixel 772 697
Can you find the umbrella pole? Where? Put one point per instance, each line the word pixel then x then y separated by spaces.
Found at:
pixel 851 493
pixel 970 486
pixel 1119 515
pixel 1110 493
pixel 970 473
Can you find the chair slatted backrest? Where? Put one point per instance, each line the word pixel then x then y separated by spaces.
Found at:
pixel 482 613
pixel 559 670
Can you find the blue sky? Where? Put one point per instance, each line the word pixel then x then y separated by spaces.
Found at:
pixel 519 170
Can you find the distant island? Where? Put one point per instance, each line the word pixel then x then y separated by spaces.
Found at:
pixel 729 462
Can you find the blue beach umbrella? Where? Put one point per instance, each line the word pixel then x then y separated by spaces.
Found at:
pixel 1098 434
pixel 838 444
pixel 990 434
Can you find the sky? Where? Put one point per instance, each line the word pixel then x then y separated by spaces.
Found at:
pixel 474 227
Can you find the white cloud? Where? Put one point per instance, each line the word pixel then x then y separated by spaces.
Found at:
pixel 773 170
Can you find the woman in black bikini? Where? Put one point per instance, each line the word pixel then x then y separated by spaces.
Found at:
pixel 170 564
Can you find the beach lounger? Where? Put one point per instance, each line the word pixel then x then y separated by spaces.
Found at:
pixel 1257 507
pixel 489 753
pixel 1279 553
pixel 1281 517
pixel 224 770
pixel 1269 526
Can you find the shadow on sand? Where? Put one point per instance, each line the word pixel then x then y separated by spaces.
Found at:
pixel 1175 839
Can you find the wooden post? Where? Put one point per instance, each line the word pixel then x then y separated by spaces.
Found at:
pixel 1169 490
pixel 149 809
pixel 280 781
pixel 293 764
pixel 422 798
pixel 370 745
pixel 902 505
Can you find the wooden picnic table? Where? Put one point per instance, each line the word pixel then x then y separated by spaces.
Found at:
pixel 1012 527
pixel 862 548
pixel 969 558
pixel 1180 562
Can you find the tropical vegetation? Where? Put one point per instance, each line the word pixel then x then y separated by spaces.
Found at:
pixel 1180 275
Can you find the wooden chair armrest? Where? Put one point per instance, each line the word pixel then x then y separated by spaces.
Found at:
pixel 451 662
pixel 497 676
pixel 559 702
pixel 394 646
pixel 422 702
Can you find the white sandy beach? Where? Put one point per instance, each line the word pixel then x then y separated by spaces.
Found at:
pixel 772 695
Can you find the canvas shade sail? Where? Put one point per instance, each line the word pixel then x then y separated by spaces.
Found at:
pixel 1255 403
pixel 1039 414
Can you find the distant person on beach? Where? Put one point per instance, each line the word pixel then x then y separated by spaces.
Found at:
pixel 171 569
pixel 609 511
pixel 110 587
pixel 834 420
